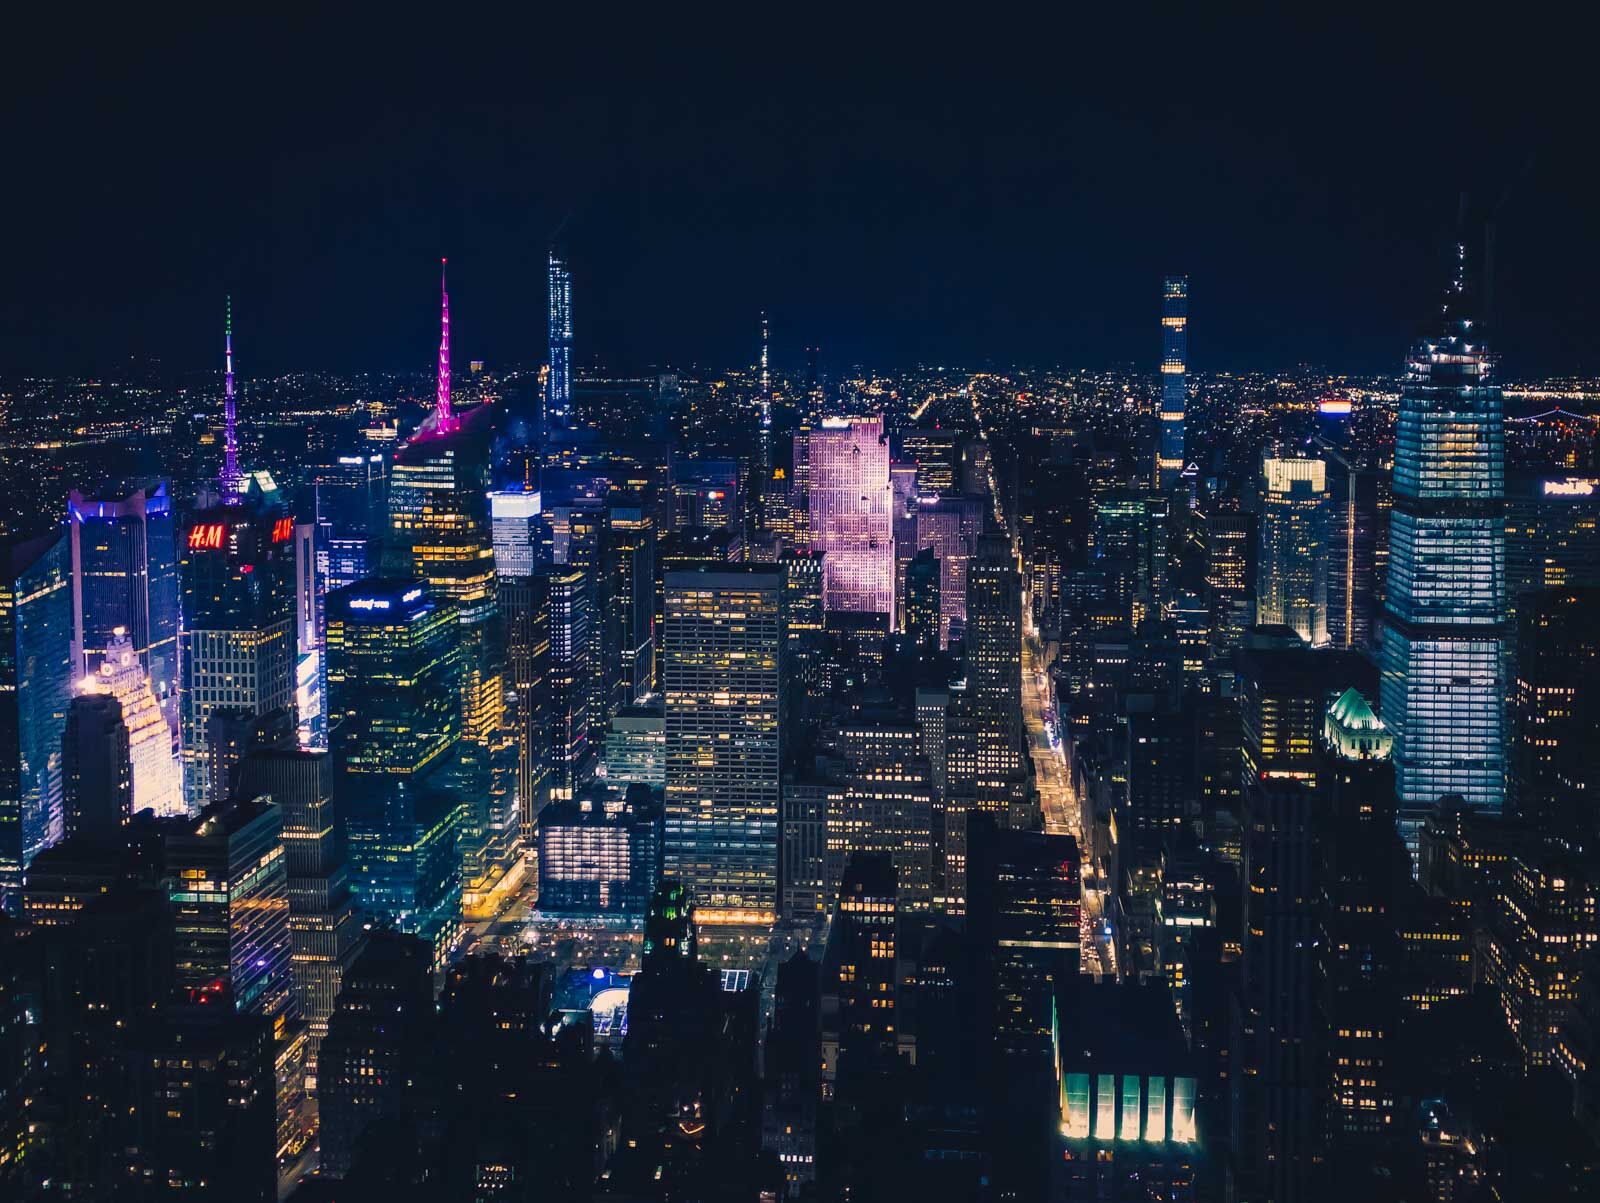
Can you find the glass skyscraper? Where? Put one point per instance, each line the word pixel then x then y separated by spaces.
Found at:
pixel 125 584
pixel 1292 569
pixel 1444 619
pixel 395 724
pixel 35 642
pixel 1174 354
pixel 440 531
pixel 558 388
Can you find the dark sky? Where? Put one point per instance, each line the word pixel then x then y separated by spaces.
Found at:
pixel 989 191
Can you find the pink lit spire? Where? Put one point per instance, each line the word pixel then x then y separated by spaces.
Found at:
pixel 443 418
pixel 230 454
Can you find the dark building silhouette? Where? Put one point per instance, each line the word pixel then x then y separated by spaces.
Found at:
pixel 371 1060
pixel 97 794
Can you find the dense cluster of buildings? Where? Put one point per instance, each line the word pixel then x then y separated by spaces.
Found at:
pixel 639 789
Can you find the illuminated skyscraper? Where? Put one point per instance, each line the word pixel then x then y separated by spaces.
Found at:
pixel 230 914
pixel 229 482
pixel 1357 493
pixel 324 930
pixel 1292 568
pixel 951 526
pixel 1174 354
pixel 851 514
pixel 1228 542
pixel 558 387
pixel 443 413
pixel 514 515
pixel 936 451
pixel 1444 620
pixel 237 653
pixel 157 781
pixel 392 660
pixel 523 597
pixel 721 680
pixel 573 678
pixel 351 498
pixel 627 599
pixel 984 768
pixel 886 805
pixel 35 689
pixel 440 532
pixel 395 723
pixel 125 575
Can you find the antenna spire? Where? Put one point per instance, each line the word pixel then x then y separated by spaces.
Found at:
pixel 443 418
pixel 230 454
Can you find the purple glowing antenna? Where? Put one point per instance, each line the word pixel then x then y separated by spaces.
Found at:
pixel 443 418
pixel 230 454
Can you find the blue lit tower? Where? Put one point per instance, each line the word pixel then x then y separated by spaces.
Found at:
pixel 1444 619
pixel 1174 356
pixel 35 691
pixel 558 389
pixel 125 575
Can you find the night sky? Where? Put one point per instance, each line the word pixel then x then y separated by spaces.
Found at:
pixel 989 192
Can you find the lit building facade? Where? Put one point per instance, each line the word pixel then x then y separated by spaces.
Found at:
pixel 1444 621
pixel 394 706
pixel 440 532
pixel 324 932
pixel 1552 534
pixel 237 649
pixel 558 384
pixel 599 863
pixel 1544 921
pixel 1292 566
pixel 722 684
pixel 35 690
pixel 230 913
pixel 636 744
pixel 951 526
pixel 851 514
pixel 627 596
pixel 573 679
pixel 1174 357
pixel 515 530
pixel 885 805
pixel 125 579
pixel 1128 1092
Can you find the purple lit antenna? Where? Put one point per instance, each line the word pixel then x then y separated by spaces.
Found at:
pixel 230 455
pixel 443 418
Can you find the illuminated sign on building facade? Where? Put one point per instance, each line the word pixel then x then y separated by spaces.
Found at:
pixel 1572 486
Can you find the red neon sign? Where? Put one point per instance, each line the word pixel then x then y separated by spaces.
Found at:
pixel 207 536
pixel 283 530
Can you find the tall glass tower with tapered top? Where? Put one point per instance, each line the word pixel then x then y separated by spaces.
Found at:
pixel 1444 620
pixel 1174 354
pixel 558 388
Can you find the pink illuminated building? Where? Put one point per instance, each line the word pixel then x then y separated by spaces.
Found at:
pixel 852 514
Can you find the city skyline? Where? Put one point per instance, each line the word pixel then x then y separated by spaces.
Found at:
pixel 561 768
